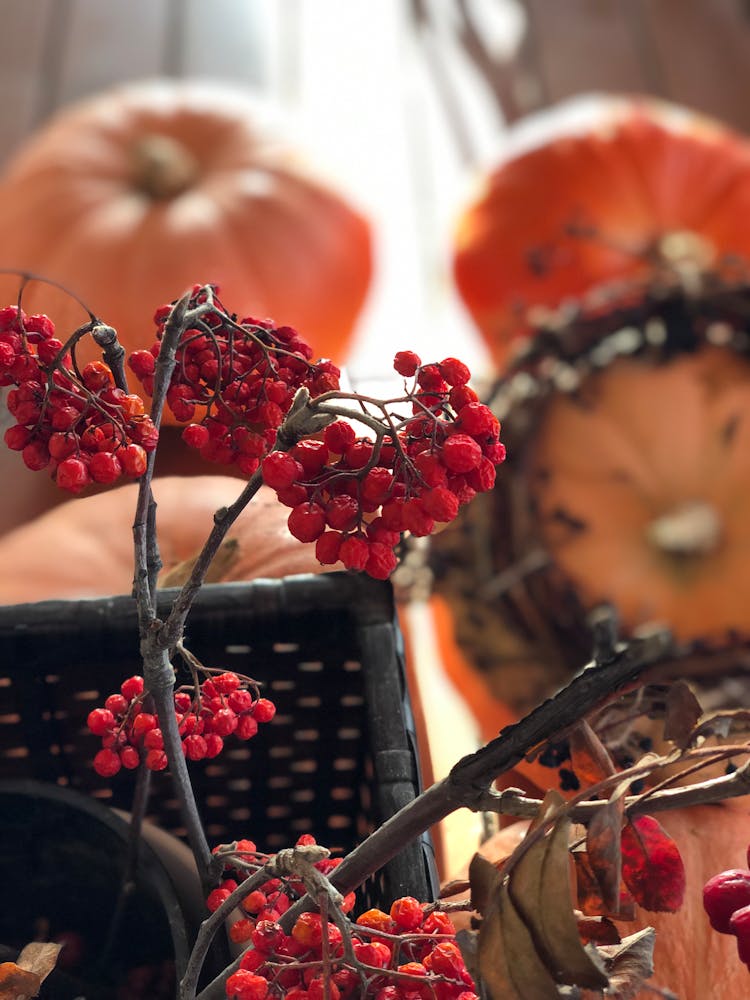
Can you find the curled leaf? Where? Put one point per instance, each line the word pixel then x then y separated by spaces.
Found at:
pixel 589 757
pixel 682 713
pixel 23 978
pixel 652 867
pixel 629 964
pixel 603 847
pixel 540 889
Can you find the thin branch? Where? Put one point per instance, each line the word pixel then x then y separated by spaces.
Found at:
pixel 513 802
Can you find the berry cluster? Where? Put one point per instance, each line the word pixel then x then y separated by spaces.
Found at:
pixel 409 953
pixel 77 424
pixel 238 376
pixel 224 704
pixel 354 496
pixel 726 900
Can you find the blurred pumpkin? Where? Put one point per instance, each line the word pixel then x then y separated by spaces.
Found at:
pixel 640 485
pixel 690 959
pixel 595 190
pixel 625 485
pixel 130 197
pixel 84 547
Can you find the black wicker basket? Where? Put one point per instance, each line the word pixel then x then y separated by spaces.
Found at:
pixel 338 759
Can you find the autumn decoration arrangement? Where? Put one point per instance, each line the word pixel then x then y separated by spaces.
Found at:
pixel 596 577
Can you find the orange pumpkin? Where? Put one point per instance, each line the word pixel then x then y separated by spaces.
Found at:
pixel 130 197
pixel 640 485
pixel 84 547
pixel 596 190
pixel 690 958
pixel 626 484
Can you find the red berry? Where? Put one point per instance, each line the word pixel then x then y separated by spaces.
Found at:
pixel 133 459
pixel 142 364
pixel 132 687
pixel 247 727
pixel 407 913
pixel 342 512
pixel 245 985
pixel 280 470
pixel 307 521
pixel 338 436
pixel 440 503
pixel 723 894
pixel 311 454
pixel 214 744
pixel 327 547
pixel 107 763
pixel 406 363
pixel 376 485
pixel 194 747
pixel 156 760
pixel 72 475
pixel 195 436
pixel 454 371
pixel 18 436
pixel 224 722
pixel 381 561
pixel 241 931
pixel 129 757
pixel 308 930
pixel 739 925
pixel 227 682
pixel 100 721
pixel 143 722
pixel 263 710
pixel 354 552
pixel 216 897
pixel 116 704
pixel 461 453
pixel 240 701
pixel 376 953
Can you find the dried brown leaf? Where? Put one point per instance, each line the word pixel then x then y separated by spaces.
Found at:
pixel 603 848
pixel 682 713
pixel 629 964
pixel 23 978
pixel 722 723
pixel 40 957
pixel 485 881
pixel 503 935
pixel 589 758
pixel 540 889
pixel 17 983
pixel 590 901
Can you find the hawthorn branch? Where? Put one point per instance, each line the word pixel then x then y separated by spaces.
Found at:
pixel 468 782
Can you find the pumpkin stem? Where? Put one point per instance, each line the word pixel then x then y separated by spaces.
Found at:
pixel 692 529
pixel 163 167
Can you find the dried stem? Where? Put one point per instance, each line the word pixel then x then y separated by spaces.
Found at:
pixel 469 780
pixel 513 802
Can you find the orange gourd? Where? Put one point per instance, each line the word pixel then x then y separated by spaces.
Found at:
pixel 640 486
pixel 83 547
pixel 597 190
pixel 130 197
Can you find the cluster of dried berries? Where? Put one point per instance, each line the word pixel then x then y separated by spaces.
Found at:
pixel 354 495
pixel 408 953
pixel 224 704
pixel 238 376
pixel 77 424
